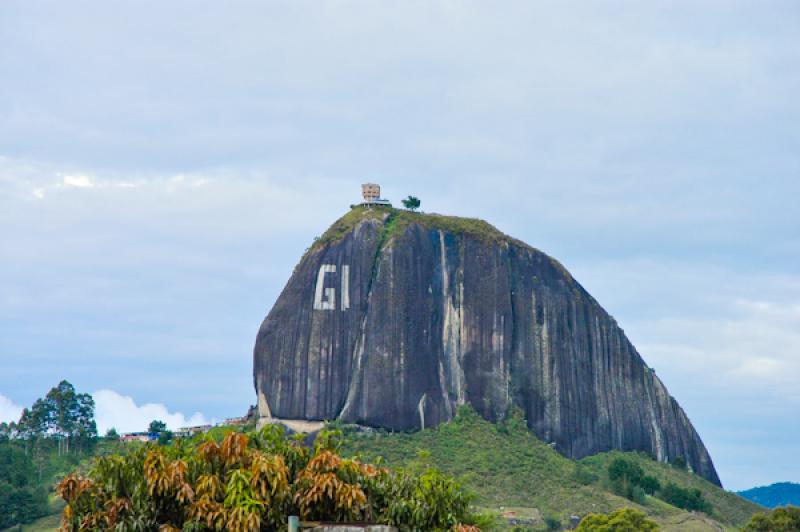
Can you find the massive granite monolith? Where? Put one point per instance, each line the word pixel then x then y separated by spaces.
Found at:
pixel 394 319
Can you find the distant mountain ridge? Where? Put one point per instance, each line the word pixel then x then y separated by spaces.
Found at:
pixel 774 495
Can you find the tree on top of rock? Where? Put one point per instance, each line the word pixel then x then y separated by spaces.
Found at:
pixel 411 203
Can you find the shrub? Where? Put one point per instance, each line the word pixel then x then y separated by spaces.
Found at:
pixel 626 479
pixel 649 484
pixel 552 522
pixel 623 520
pixel 686 498
pixel 779 520
pixel 252 482
pixel 678 463
pixel 583 475
pixel 625 470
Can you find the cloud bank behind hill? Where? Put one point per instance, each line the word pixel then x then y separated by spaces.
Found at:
pixel 122 413
pixel 119 411
pixel 8 410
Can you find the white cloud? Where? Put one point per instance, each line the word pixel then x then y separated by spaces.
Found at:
pixel 752 351
pixel 80 181
pixel 8 410
pixel 121 412
pixel 758 367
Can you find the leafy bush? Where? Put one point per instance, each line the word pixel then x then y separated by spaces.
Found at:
pixel 626 479
pixel 650 485
pixel 779 520
pixel 625 470
pixel 583 475
pixel 252 482
pixel 629 480
pixel 623 520
pixel 678 463
pixel 552 522
pixel 686 498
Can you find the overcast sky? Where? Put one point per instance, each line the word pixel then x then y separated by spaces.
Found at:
pixel 163 165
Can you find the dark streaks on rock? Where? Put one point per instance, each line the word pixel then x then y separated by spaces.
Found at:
pixel 443 312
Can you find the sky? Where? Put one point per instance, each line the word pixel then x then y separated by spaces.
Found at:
pixel 163 166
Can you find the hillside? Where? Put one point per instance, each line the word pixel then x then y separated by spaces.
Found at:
pixel 508 468
pixel 392 319
pixel 512 472
pixel 774 495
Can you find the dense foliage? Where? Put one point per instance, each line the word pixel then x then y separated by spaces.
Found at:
pixel 779 520
pixel 254 482
pixel 629 480
pixel 687 498
pixel 623 520
pixel 22 497
pixel 50 439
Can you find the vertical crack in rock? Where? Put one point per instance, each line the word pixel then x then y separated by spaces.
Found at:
pixel 354 382
pixel 452 378
pixel 421 410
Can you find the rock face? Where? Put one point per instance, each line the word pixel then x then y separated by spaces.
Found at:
pixel 394 319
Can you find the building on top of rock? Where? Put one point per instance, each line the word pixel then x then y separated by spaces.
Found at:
pixel 372 195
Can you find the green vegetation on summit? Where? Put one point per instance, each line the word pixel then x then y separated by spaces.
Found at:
pixel 397 220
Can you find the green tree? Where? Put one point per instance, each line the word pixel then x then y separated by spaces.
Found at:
pixel 626 479
pixel 7 431
pixel 63 415
pixel 112 434
pixel 627 470
pixel 779 520
pixel 622 520
pixel 649 484
pixel 687 498
pixel 411 203
pixel 156 427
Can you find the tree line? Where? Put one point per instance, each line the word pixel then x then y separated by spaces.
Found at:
pixel 63 416
pixel 49 439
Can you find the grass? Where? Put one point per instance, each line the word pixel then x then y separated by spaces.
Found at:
pixel 728 507
pixel 396 221
pixel 506 466
pixel 348 222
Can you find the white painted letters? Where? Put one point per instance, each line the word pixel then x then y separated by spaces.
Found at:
pixel 329 303
pixel 325 298
pixel 345 287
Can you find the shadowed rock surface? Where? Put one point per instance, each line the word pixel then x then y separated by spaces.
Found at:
pixel 393 319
